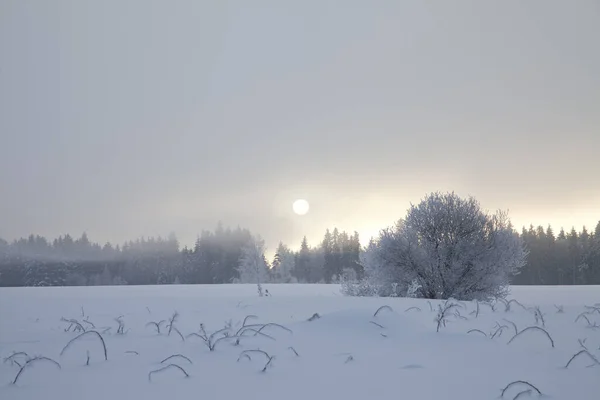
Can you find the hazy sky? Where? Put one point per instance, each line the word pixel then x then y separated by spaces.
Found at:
pixel 129 118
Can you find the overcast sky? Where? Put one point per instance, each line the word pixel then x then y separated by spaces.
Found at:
pixel 129 118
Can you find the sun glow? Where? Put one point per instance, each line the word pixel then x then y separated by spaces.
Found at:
pixel 300 207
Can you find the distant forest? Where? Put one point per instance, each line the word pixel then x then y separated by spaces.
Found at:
pixel 571 258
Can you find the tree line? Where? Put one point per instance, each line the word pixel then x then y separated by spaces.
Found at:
pixel 562 259
pixel 214 259
pixel 567 258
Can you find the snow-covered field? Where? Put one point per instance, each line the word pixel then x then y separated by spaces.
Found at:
pixel 347 353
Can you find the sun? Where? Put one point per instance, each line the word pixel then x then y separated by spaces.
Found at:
pixel 300 206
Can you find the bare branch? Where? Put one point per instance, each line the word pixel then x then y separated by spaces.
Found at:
pixel 172 321
pixel 179 333
pixel 248 317
pixel 156 325
pixel 516 302
pixel 386 307
pixel 412 308
pixel 214 344
pixel 256 332
pixel 539 316
pixel 83 334
pixel 11 359
pixel 78 326
pixel 314 316
pixel 276 325
pixel 246 353
pixel 583 315
pixel 177 355
pixel 477 330
pixel 594 359
pixel 166 368
pixel 537 328
pixel 443 313
pixel 376 324
pixel 519 383
pixel 593 309
pixel 294 350
pixel 523 393
pixel 90 323
pixel 121 325
pixel 559 309
pixel 499 330
pixel 30 363
pixel 513 324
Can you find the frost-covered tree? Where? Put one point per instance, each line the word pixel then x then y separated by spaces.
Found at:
pixel 446 247
pixel 283 264
pixel 252 266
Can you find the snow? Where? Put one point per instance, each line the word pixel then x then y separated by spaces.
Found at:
pixel 342 354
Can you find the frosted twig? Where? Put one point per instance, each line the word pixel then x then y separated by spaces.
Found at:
pixel 179 333
pixel 537 328
pixel 121 325
pixel 246 319
pixel 593 309
pixel 594 359
pixel 412 308
pixel 166 368
pixel 11 359
pixel 276 325
pixel 72 322
pixel 156 325
pixel 583 315
pixel 30 363
pixel 539 316
pixel 246 353
pixel 519 383
pixel 508 303
pixel 499 330
pixel 376 324
pixel 477 330
pixel 90 323
pixel 513 325
pixel 559 309
pixel 256 332
pixel 172 321
pixel 522 393
pixel 175 356
pixel 442 313
pixel 294 350
pixel 458 315
pixel 83 334
pixel 210 341
pixel 385 307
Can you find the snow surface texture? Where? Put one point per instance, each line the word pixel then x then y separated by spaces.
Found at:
pixel 344 353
